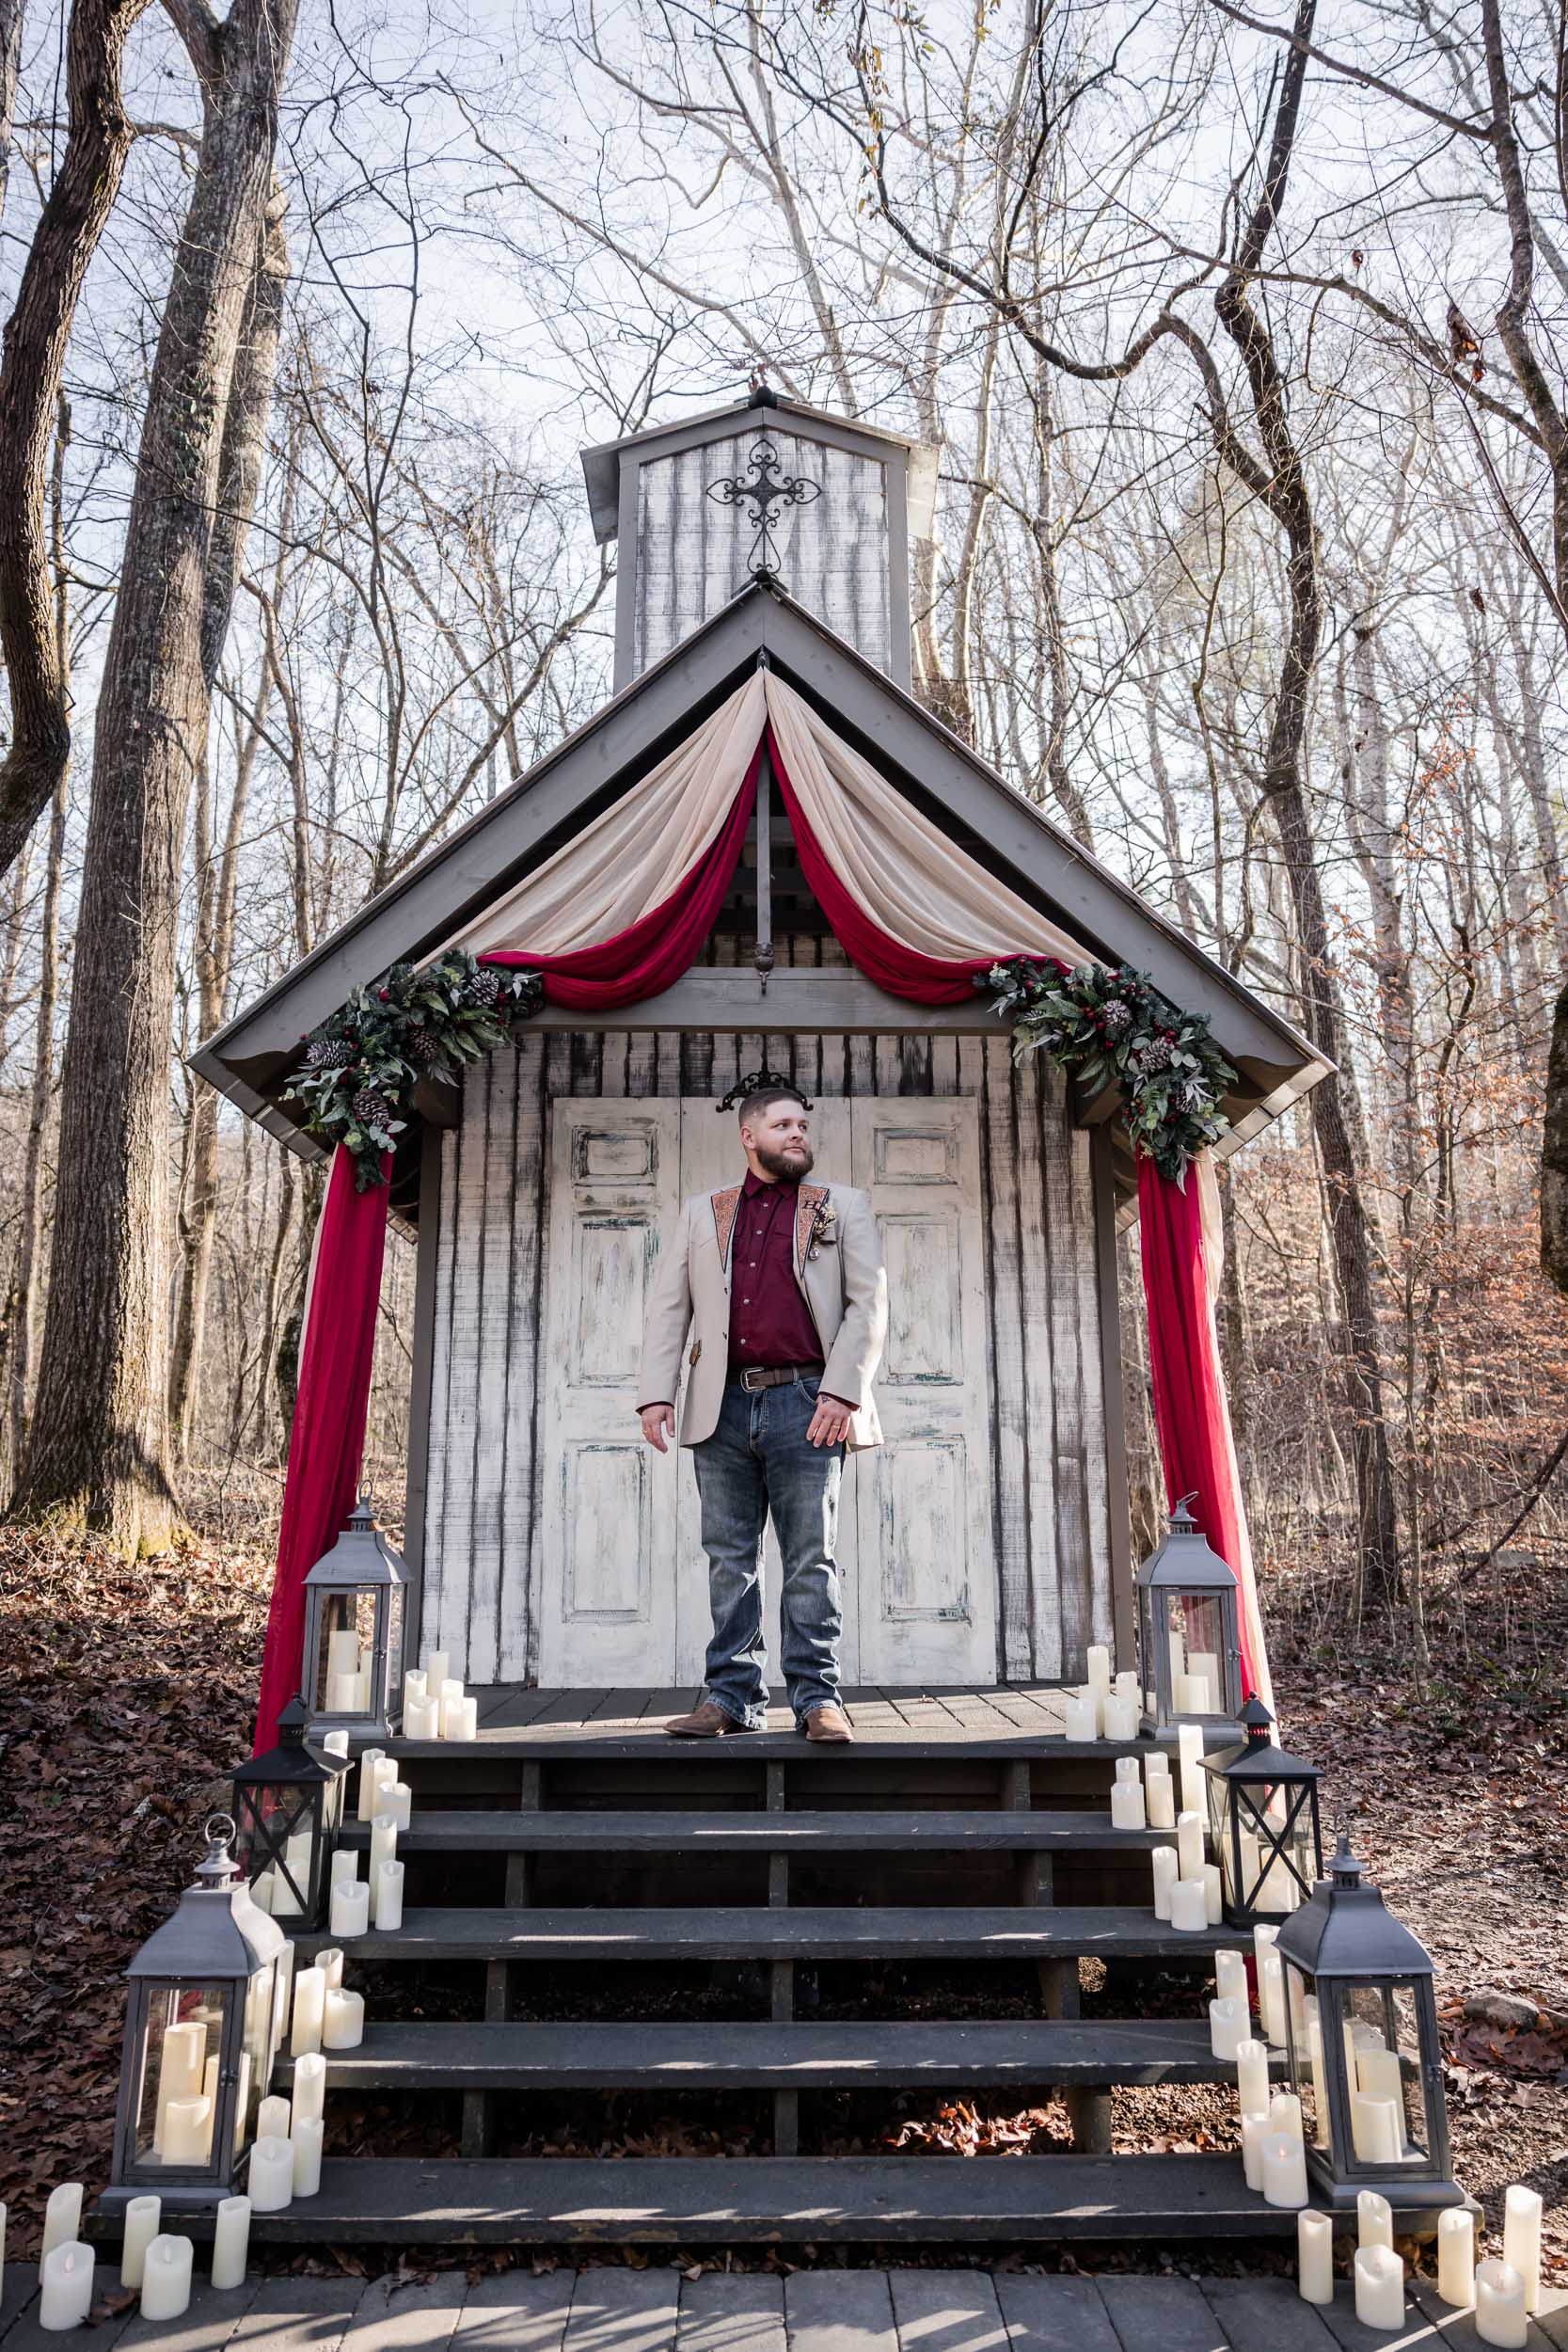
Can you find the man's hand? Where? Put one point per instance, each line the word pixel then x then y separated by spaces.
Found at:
pixel 830 1423
pixel 659 1422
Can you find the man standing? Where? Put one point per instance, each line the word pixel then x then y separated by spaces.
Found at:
pixel 782 1286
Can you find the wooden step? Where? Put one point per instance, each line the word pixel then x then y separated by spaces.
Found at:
pixel 499 1830
pixel 785 2200
pixel 520 2056
pixel 937 1932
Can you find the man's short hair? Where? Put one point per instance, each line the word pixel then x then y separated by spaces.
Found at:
pixel 763 1100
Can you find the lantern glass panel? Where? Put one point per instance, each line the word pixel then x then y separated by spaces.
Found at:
pixel 1268 1850
pixel 1192 1625
pixel 1305 2049
pixel 183 2036
pixel 275 1845
pixel 346 1645
pixel 1382 2076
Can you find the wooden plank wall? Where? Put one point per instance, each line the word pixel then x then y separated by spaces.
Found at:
pixel 1051 1480
pixel 691 551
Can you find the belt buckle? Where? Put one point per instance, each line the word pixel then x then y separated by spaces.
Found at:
pixel 752 1377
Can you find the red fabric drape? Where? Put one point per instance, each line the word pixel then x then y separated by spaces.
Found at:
pixel 1191 1410
pixel 328 1434
pixel 652 952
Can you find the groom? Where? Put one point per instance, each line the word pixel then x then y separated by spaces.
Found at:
pixel 782 1286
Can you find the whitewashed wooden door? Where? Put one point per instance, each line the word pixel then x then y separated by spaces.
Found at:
pixel 608 1525
pixel 926 1599
pixel 711 1156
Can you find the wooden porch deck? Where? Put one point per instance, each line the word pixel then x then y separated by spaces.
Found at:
pixel 611 2310
pixel 1005 1720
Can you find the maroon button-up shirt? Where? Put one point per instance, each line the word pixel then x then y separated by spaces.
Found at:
pixel 771 1322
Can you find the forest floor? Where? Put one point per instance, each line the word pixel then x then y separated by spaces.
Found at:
pixel 126 1692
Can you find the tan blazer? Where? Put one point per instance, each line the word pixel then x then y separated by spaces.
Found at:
pixel 845 1285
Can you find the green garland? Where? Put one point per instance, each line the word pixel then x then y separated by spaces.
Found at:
pixel 1111 1024
pixel 1108 1023
pixel 362 1066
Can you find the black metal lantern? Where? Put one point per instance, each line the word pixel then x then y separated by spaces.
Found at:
pixel 287 1807
pixel 1189 1642
pixel 354 1601
pixel 202 2027
pixel 1263 1818
pixel 1361 2038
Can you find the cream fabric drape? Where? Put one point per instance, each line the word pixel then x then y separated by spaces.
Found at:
pixel 903 873
pixel 635 855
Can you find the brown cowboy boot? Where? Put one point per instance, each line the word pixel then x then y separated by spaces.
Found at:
pixel 706 1722
pixel 828 1724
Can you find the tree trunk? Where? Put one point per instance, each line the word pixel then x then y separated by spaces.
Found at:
pixel 37 333
pixel 98 1450
pixel 1554 1154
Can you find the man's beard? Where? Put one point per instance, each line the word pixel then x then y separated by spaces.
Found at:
pixel 787 1168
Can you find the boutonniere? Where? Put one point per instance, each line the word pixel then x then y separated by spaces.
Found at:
pixel 824 1227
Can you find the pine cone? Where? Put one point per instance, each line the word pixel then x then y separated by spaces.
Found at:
pixel 1116 1016
pixel 1194 1095
pixel 370 1107
pixel 327 1052
pixel 424 1046
pixel 485 989
pixel 1152 1058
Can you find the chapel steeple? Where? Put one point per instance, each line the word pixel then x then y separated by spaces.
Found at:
pixel 826 507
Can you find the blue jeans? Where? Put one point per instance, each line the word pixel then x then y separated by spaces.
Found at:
pixel 757 1462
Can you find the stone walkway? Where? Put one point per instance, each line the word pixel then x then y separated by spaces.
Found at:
pixel 606 2310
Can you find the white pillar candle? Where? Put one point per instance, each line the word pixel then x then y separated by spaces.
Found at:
pixel 272 2175
pixel 1501 2305
pixel 1166 1871
pixel 1160 1796
pixel 273 2118
pixel 1456 2257
pixel 1522 2241
pixel 344 2027
pixel 336 1743
pixel 368 1763
pixel 1254 2131
pixel 182 2061
pixel 385 1777
pixel 307 2145
pixel 460 1718
pixel 1188 1913
pixel 350 1908
pixel 1285 2114
pixel 346 1866
pixel 62 2216
pixel 1380 2288
pixel 448 1691
pixel 1263 1942
pixel 383 1848
pixel 399 1801
pixel 1156 1764
pixel 1189 1843
pixel 188 2131
pixel 421 1719
pixel 65 2286
pixel 437 1666
pixel 1080 1718
pixel 1189 1750
pixel 1128 1768
pixel 1374 2219
pixel 1252 2077
pixel 1230 1977
pixel 305 2033
pixel 1314 2257
pixel 1284 2170
pixel 342 1653
pixel 388 1898
pixel 1189 1695
pixel 309 2088
pixel 1098 1666
pixel 1374 2129
pixel 141 2228
pixel 231 2241
pixel 329 1959
pixel 1214 1901
pixel 1228 2026
pixel 1120 1717
pixel 343 1697
pixel 165 2287
pixel 415 1683
pixel 1126 1805
pixel 1204 1667
pixel 1381 2075
pixel 1271 1999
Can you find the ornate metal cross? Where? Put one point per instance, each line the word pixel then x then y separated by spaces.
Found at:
pixel 766 492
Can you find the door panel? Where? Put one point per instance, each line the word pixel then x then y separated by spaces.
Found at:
pixel 927 1597
pixel 609 1501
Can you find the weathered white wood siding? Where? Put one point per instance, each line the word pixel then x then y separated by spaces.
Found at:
pixel 1051 1486
pixel 691 551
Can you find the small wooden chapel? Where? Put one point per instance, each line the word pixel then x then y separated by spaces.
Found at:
pixel 763 601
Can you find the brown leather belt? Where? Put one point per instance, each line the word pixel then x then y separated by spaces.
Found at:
pixel 753 1377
